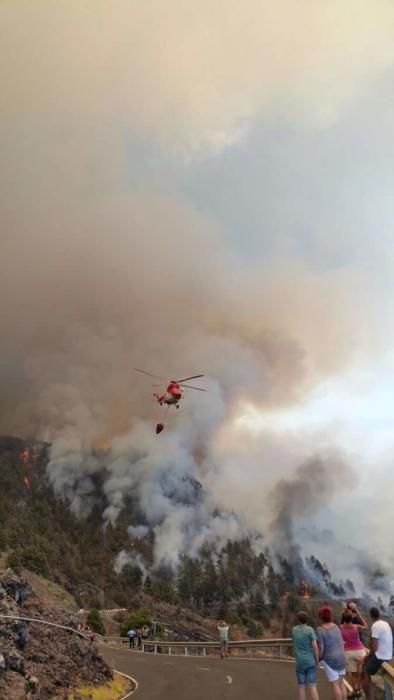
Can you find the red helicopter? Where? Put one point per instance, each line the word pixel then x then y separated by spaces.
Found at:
pixel 173 393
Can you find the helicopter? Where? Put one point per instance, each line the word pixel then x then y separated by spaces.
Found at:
pixel 173 393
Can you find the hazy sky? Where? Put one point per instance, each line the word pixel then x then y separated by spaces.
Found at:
pixel 201 187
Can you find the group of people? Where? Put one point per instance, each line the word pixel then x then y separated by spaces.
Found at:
pixel 86 631
pixel 340 649
pixel 142 634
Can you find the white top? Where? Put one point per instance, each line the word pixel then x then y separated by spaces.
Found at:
pixel 381 631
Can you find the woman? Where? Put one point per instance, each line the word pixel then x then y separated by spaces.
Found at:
pixel 307 657
pixel 354 648
pixel 332 653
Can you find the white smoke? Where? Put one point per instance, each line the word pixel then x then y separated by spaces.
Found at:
pixel 129 559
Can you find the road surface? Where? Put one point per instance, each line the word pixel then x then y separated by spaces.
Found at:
pixel 163 677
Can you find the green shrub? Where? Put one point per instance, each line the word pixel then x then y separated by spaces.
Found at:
pixel 95 622
pixel 137 619
pixel 255 630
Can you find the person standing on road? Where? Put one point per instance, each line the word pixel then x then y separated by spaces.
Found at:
pixel 381 650
pixel 223 630
pixel 357 618
pixel 307 656
pixel 131 635
pixel 139 638
pixel 332 653
pixel 354 648
pixel 153 628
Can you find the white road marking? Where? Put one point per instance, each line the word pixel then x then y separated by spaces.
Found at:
pixel 229 680
pixel 201 668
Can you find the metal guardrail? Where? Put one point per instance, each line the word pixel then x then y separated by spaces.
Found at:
pixel 387 673
pixel 249 645
pixel 46 622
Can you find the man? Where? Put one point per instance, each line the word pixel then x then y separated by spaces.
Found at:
pixel 223 629
pixel 131 635
pixel 381 650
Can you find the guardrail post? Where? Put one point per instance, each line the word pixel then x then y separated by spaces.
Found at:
pixel 155 648
pixel 250 651
pixel 186 651
pixel 204 652
pixel 280 652
pixel 169 650
pixel 142 647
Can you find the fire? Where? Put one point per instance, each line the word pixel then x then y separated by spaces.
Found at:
pixel 26 482
pixel 101 444
pixel 304 590
pixel 25 456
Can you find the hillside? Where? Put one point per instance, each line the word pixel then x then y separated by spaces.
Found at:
pixel 36 657
pixel 39 533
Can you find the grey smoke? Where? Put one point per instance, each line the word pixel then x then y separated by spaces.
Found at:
pixel 313 485
pixel 137 531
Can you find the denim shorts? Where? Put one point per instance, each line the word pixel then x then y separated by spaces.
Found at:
pixel 307 677
pixel 373 664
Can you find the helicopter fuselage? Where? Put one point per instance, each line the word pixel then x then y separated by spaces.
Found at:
pixel 172 396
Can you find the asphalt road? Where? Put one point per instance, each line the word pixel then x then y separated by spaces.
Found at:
pixel 163 677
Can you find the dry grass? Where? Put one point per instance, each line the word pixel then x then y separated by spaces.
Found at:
pixel 113 690
pixel 50 592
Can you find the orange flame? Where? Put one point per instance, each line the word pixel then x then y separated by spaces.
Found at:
pixel 25 456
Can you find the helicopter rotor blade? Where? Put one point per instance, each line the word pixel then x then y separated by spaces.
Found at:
pixel 186 379
pixel 197 388
pixel 149 374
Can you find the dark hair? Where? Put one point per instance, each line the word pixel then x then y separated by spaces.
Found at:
pixel 325 613
pixel 302 617
pixel 374 613
pixel 347 616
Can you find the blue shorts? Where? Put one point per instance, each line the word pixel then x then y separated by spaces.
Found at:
pixel 307 677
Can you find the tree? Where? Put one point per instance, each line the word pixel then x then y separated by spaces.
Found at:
pixel 162 590
pixel 137 619
pixel 95 622
pixel 14 561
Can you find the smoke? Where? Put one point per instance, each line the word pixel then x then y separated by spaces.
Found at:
pixel 126 559
pixel 313 485
pixel 106 266
pixel 192 75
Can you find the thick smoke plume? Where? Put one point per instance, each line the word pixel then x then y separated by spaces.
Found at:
pixel 314 485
